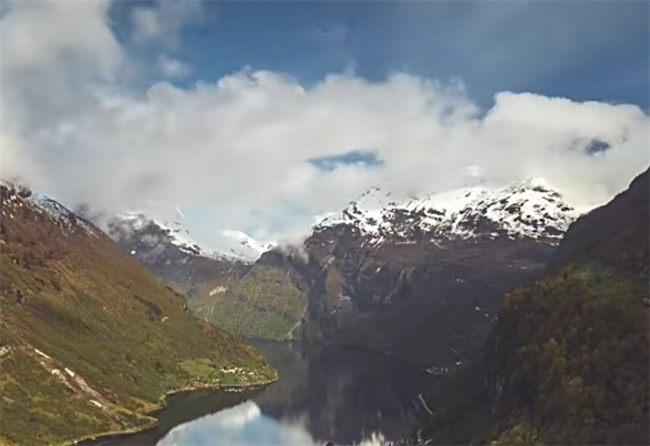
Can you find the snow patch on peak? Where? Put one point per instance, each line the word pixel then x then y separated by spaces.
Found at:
pixel 249 242
pixel 524 209
pixel 136 220
pixel 226 245
pixel 527 208
pixel 136 223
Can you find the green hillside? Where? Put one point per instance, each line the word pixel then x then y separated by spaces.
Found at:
pixel 568 360
pixel 264 303
pixel 89 340
pixel 572 352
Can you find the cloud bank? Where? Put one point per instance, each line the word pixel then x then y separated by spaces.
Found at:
pixel 237 150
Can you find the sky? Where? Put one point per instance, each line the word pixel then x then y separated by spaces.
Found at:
pixel 258 116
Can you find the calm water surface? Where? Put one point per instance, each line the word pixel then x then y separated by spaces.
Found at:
pixel 323 394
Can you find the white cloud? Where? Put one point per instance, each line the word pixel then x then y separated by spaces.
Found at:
pixel 173 68
pixel 234 150
pixel 13 166
pixel 163 21
pixel 52 54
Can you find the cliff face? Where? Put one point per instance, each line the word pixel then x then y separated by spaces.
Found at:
pixel 397 298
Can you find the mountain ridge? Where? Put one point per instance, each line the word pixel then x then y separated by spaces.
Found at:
pixel 238 246
pixel 372 283
pixel 526 208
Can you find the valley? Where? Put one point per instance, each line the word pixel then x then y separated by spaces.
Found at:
pixel 324 223
pixel 98 343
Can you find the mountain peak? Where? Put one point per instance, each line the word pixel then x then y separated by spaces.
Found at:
pixel 227 246
pixel 527 208
pixel 15 198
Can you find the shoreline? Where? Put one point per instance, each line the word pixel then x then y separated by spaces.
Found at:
pixel 162 404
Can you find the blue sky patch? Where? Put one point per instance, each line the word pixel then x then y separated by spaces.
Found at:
pixel 364 158
pixel 597 147
pixel 580 50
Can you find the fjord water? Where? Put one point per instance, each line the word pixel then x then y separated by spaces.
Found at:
pixel 346 396
pixel 341 395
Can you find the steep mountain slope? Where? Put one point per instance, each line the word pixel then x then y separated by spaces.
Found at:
pixel 262 304
pixel 89 340
pixel 567 361
pixel 399 276
pixel 615 235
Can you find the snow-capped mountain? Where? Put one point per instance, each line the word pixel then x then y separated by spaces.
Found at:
pixel 396 273
pixel 170 252
pixel 19 197
pixel 141 233
pixel 228 246
pixel 174 234
pixel 523 209
pixel 245 246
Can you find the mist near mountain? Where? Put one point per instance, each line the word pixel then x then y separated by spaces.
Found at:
pixel 233 152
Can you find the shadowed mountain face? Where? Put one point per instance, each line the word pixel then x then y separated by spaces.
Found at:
pixel 403 276
pixel 615 235
pixel 567 360
pixel 424 303
pixel 89 339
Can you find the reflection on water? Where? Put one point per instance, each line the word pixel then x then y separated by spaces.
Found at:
pixel 246 425
pixel 181 408
pixel 323 394
pixel 241 425
pixel 340 395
